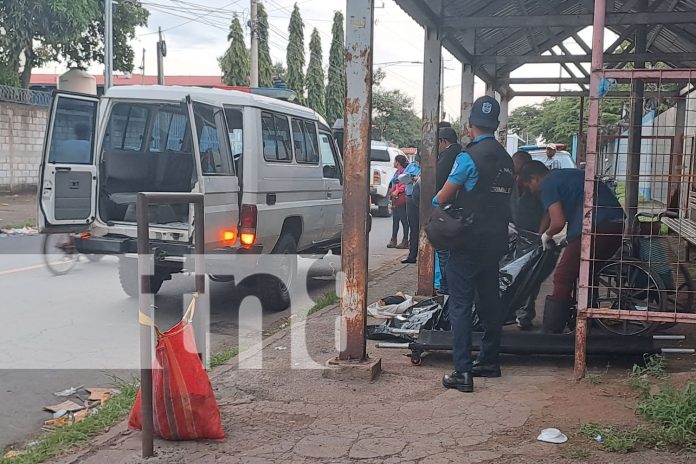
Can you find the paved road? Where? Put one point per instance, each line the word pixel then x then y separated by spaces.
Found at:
pixel 81 329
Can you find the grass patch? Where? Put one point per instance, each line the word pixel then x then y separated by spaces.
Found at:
pixel 654 367
pixel 29 223
pixel 218 359
pixel 325 300
pixel 671 416
pixel 594 379
pixel 576 452
pixel 65 438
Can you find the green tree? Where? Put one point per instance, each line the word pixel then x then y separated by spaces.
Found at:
pixel 296 55
pixel 265 63
pixel 393 116
pixel 71 31
pixel 556 120
pixel 315 75
pixel 235 62
pixel 336 87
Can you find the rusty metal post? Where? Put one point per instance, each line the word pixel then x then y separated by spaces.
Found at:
pixel 580 149
pixel 145 317
pixel 635 133
pixel 676 162
pixel 592 148
pixel 432 61
pixel 356 160
pixel 467 100
pixel 504 118
pixel 202 321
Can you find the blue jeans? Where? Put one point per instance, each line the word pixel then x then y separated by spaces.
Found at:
pixel 473 276
pixel 443 258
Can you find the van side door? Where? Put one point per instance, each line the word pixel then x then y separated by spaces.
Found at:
pixel 333 180
pixel 67 199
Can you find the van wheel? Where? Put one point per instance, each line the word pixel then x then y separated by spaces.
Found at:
pixel 128 276
pixel 273 292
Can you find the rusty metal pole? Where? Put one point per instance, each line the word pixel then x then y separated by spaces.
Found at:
pixel 580 149
pixel 432 61
pixel 146 318
pixel 467 101
pixel 676 161
pixel 201 322
pixel 504 118
pixel 592 149
pixel 635 133
pixel 356 161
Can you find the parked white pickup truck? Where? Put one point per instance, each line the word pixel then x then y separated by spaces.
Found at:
pixel 382 158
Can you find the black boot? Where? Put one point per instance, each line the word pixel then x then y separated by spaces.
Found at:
pixel 462 381
pixel 485 370
pixel 556 315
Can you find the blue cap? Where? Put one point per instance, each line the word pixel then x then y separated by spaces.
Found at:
pixel 485 113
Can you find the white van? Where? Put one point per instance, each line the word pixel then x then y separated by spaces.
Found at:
pixel 264 165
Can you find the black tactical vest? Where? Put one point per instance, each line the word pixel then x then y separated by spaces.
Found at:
pixel 490 199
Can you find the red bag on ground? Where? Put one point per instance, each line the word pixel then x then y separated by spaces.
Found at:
pixel 183 402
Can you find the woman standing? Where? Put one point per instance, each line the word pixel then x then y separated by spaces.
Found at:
pixel 398 201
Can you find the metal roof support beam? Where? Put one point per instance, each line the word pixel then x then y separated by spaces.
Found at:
pixel 568 20
pixel 504 117
pixel 580 93
pixel 432 61
pixel 519 60
pixel 357 122
pixel 542 80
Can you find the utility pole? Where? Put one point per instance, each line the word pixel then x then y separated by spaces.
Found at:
pixel 253 25
pixel 161 53
pixel 108 44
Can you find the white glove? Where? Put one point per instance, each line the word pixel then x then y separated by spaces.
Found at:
pixel 546 241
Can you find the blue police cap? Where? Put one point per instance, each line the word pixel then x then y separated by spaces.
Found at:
pixel 485 113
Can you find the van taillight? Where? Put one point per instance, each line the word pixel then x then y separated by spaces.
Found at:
pixel 247 228
pixel 376 177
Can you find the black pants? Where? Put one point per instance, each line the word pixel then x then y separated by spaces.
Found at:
pixel 399 216
pixel 413 211
pixel 473 276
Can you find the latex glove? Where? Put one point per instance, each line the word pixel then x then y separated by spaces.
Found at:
pixel 546 241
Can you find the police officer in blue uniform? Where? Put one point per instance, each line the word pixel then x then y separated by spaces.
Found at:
pixel 480 182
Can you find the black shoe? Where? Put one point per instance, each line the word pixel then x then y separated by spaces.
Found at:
pixel 485 370
pixel 464 381
pixel 408 261
pixel 524 324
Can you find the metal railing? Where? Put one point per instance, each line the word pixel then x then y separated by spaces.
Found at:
pixel 24 96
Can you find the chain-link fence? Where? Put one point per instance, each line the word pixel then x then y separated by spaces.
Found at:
pixel 24 96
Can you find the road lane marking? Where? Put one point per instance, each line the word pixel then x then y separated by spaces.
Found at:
pixel 22 269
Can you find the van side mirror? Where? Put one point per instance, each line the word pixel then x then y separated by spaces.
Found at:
pixel 582 165
pixel 330 172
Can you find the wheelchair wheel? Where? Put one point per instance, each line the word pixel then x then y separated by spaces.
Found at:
pixel 629 285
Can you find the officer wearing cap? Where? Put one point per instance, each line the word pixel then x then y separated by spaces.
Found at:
pixel 480 182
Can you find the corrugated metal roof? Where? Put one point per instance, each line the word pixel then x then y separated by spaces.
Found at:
pixel 512 41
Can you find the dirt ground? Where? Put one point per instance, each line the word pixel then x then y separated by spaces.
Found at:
pixel 17 210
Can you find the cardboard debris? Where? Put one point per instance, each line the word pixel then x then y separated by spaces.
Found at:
pixel 99 394
pixel 10 454
pixel 69 406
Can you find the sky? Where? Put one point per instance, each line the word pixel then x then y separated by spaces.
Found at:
pixel 196 35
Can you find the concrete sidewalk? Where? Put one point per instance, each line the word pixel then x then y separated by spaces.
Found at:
pixel 283 415
pixel 17 210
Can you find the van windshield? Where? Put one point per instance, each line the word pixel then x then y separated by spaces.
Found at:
pixel 379 155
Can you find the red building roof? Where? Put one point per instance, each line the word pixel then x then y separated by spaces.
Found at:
pixel 137 79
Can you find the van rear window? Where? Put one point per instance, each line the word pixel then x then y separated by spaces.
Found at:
pixel 379 155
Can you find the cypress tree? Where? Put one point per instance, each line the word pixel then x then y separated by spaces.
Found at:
pixel 296 55
pixel 336 88
pixel 265 63
pixel 315 75
pixel 235 63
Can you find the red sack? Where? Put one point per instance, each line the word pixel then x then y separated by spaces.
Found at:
pixel 184 406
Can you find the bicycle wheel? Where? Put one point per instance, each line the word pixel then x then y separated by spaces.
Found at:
pixel 59 253
pixel 628 285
